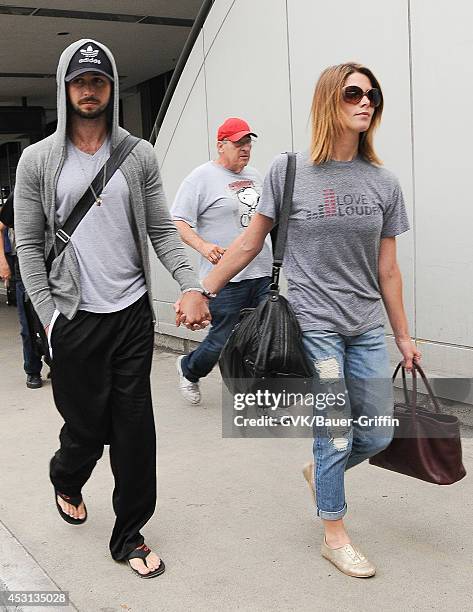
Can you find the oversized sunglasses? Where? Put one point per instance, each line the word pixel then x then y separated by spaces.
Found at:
pixel 354 94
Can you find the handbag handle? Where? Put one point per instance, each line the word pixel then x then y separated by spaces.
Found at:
pixel 284 213
pixel 416 368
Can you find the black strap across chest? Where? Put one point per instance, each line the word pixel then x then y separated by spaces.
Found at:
pixel 64 233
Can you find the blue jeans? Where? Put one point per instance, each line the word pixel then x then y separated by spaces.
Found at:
pixel 225 311
pixel 358 367
pixel 31 362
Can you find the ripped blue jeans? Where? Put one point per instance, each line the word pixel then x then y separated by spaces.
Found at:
pixel 356 368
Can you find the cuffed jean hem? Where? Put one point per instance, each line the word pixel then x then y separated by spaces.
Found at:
pixel 332 516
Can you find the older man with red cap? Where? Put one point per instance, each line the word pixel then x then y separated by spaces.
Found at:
pixel 213 205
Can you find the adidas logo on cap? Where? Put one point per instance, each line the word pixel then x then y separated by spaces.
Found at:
pixel 90 55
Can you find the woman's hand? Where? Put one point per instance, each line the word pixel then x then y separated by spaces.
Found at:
pixel 409 352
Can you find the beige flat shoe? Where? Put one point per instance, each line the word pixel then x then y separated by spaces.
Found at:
pixel 308 472
pixel 348 560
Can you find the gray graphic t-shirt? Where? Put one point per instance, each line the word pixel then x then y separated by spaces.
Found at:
pixel 111 274
pixel 340 212
pixel 218 204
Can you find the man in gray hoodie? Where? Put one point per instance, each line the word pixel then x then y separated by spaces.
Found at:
pixel 96 304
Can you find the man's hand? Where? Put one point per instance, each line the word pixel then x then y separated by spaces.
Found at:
pixel 192 311
pixel 5 272
pixel 409 352
pixel 212 252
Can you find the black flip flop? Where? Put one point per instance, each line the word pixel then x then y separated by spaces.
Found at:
pixel 75 500
pixel 141 553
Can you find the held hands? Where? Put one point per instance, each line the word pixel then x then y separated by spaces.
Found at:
pixel 212 252
pixel 409 352
pixel 192 311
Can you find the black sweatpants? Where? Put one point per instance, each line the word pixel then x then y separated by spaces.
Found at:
pixel 100 379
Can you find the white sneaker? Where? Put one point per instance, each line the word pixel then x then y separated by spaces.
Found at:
pixel 189 390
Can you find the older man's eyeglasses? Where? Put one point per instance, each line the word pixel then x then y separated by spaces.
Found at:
pixel 243 142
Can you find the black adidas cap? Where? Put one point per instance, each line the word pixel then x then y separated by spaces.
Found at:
pixel 89 58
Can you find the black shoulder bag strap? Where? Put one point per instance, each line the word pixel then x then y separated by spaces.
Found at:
pixel 63 234
pixel 284 213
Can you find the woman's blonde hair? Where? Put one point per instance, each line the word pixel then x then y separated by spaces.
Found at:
pixel 327 119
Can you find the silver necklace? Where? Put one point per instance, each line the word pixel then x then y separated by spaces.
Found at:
pixel 98 198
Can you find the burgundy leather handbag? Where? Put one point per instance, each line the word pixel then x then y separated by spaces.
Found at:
pixel 426 445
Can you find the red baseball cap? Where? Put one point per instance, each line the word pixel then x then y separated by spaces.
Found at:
pixel 233 129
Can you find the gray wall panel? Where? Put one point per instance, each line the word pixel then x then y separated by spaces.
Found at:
pixel 443 90
pixel 179 100
pixel 247 76
pixel 186 150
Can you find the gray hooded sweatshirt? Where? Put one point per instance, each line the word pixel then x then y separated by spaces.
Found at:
pixel 35 211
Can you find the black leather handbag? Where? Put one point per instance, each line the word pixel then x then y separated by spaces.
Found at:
pixel 426 445
pixel 266 343
pixel 36 331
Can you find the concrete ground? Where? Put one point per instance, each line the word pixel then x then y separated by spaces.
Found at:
pixel 234 522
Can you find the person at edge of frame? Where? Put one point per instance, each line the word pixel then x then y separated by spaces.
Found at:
pixel 338 282
pixel 213 205
pixel 32 363
pixel 96 305
pixel 8 257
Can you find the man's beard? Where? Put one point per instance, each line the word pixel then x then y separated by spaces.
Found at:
pixel 92 114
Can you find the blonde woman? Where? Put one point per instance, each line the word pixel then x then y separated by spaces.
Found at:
pixel 340 264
